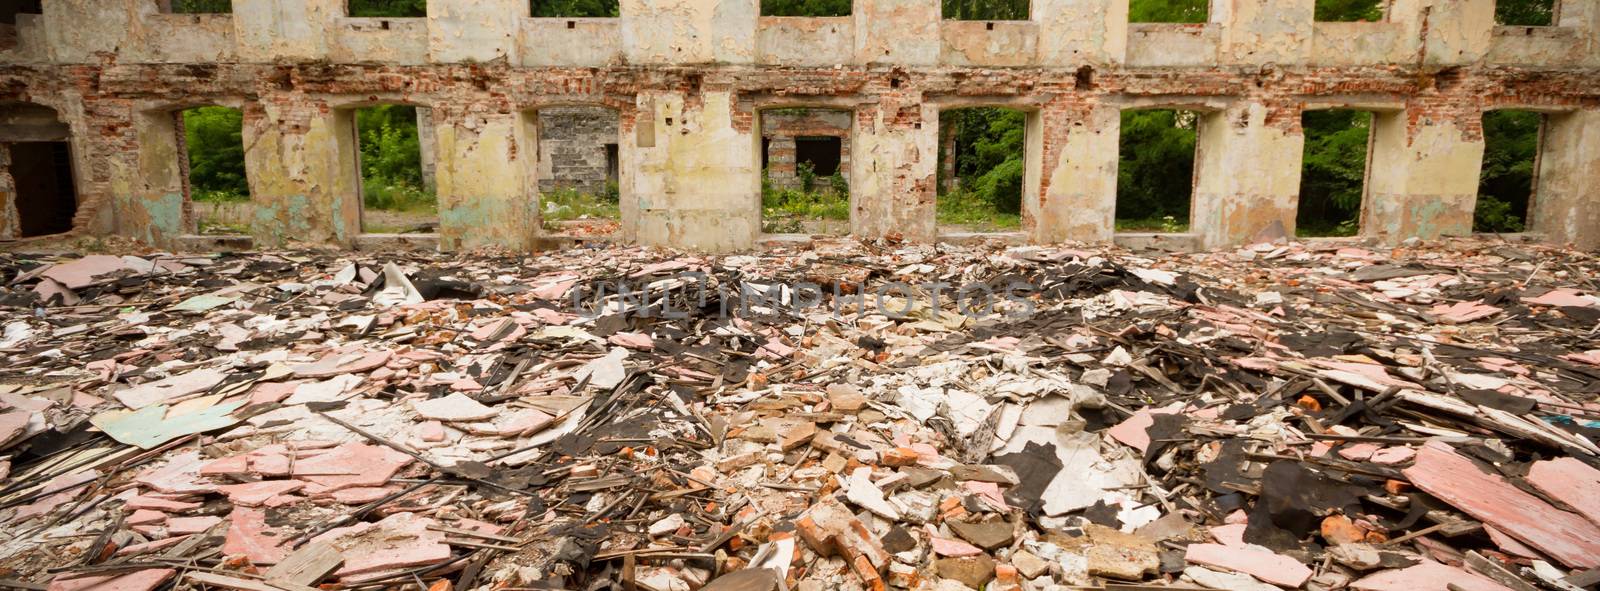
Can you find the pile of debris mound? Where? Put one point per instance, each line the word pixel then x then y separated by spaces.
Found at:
pixel 833 415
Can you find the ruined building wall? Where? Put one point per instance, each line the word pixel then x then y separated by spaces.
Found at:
pixel 688 80
pixel 780 129
pixel 574 145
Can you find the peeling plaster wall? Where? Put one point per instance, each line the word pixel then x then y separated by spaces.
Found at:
pixel 10 225
pixel 1565 205
pixel 1247 168
pixel 687 77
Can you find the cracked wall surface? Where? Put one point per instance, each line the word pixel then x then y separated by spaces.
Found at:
pixel 688 79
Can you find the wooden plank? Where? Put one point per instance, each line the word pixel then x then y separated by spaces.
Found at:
pixel 306 566
pixel 1566 537
pixel 227 582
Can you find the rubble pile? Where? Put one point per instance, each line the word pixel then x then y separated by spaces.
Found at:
pixel 838 415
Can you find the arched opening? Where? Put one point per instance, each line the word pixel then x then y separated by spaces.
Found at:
pixel 578 171
pixel 1155 170
pixel 805 170
pixel 37 181
pixel 983 169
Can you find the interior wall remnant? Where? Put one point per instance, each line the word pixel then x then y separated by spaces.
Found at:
pixel 577 148
pixel 1568 177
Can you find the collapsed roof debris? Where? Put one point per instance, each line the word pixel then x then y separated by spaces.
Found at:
pixel 840 416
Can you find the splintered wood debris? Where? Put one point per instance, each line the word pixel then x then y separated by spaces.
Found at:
pixel 834 415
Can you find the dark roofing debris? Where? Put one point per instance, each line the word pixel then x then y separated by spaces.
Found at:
pixel 838 415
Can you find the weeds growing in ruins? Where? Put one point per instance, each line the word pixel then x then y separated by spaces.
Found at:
pixel 565 204
pixel 818 199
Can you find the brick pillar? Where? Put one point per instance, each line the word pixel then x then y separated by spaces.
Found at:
pixel 427 143
pixel 1565 201
pixel 1078 187
pixel 781 162
pixel 303 170
pixel 1077 32
pixel 486 192
pixel 892 167
pixel 1422 172
pixel 696 172
pixel 1247 173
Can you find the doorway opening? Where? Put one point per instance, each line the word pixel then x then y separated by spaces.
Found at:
pixel 396 169
pixel 805 171
pixel 982 159
pixel 36 161
pixel 213 162
pixel 1155 170
pixel 1507 180
pixel 579 169
pixel 1333 172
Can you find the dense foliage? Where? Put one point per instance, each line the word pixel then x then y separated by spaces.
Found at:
pixel 391 158
pixel 1155 167
pixel 216 153
pixel 1511 140
pixel 1349 10
pixel 1333 172
pixel 1525 13
pixel 1167 11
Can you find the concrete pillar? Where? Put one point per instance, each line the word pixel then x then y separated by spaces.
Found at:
pixel 689 31
pixel 1078 190
pixel 427 143
pixel 1263 31
pixel 892 167
pixel 1422 174
pixel 486 192
pixel 1078 32
pixel 1247 173
pixel 1567 199
pixel 303 170
pixel 474 30
pixel 904 32
pixel 696 172
pixel 10 220
pixel 146 183
pixel 295 30
pixel 1453 32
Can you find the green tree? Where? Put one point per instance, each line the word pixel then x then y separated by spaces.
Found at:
pixel 1334 171
pixel 805 7
pixel 388 8
pixel 988 155
pixel 576 8
pixel 216 152
pixel 391 153
pixel 1155 164
pixel 1511 142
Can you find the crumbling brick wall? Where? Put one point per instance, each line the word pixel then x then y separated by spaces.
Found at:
pixel 688 80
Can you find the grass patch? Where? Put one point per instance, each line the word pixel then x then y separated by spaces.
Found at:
pixel 974 213
pixel 398 197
